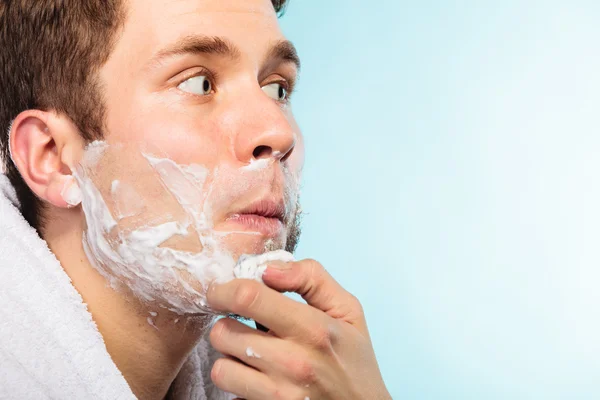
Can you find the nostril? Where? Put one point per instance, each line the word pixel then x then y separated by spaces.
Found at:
pixel 262 152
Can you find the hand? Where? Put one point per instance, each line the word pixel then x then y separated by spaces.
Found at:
pixel 319 351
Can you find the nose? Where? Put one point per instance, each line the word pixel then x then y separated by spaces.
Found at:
pixel 264 132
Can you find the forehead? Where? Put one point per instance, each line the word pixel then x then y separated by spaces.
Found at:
pixel 152 24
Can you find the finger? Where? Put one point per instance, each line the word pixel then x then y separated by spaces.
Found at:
pixel 241 380
pixel 285 317
pixel 317 287
pixel 282 360
pixel 260 350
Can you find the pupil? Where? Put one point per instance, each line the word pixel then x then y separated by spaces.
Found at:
pixel 206 86
pixel 281 92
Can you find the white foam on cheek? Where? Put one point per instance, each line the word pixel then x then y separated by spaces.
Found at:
pixel 187 184
pixel 71 193
pixel 128 202
pixel 133 257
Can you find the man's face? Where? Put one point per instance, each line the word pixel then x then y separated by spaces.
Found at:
pixel 200 80
pixel 202 83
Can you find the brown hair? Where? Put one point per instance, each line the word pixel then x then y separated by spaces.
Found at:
pixel 50 54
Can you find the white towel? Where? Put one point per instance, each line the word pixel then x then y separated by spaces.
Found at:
pixel 50 347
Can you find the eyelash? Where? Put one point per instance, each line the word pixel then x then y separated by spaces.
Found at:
pixel 213 77
pixel 287 85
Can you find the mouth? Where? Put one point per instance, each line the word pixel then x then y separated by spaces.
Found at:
pixel 266 217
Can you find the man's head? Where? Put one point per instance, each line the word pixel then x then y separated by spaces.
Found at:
pixel 198 82
pixel 54 59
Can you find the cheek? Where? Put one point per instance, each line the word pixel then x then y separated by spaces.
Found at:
pixel 183 137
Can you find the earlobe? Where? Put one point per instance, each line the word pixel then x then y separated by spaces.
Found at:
pixel 43 147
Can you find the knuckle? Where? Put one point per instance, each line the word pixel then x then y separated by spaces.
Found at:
pixel 302 371
pixel 245 296
pixel 324 337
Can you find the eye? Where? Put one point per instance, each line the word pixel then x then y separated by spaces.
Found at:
pixel 199 85
pixel 276 91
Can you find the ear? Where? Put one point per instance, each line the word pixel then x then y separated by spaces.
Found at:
pixel 45 148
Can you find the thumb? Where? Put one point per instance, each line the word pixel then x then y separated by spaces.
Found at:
pixel 317 287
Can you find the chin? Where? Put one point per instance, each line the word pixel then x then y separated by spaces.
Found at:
pixel 251 243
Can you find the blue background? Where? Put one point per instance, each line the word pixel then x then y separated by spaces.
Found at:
pixel 452 184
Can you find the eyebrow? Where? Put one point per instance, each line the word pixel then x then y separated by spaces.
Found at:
pixel 200 44
pixel 197 44
pixel 285 50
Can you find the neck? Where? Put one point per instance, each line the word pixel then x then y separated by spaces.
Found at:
pixel 148 345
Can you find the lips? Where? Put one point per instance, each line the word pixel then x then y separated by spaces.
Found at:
pixel 265 217
pixel 265 208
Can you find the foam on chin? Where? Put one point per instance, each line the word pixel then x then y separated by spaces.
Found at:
pixel 144 256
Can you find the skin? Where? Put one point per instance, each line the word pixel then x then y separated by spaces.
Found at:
pixel 320 350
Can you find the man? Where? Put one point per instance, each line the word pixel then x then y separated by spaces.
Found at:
pixel 115 110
